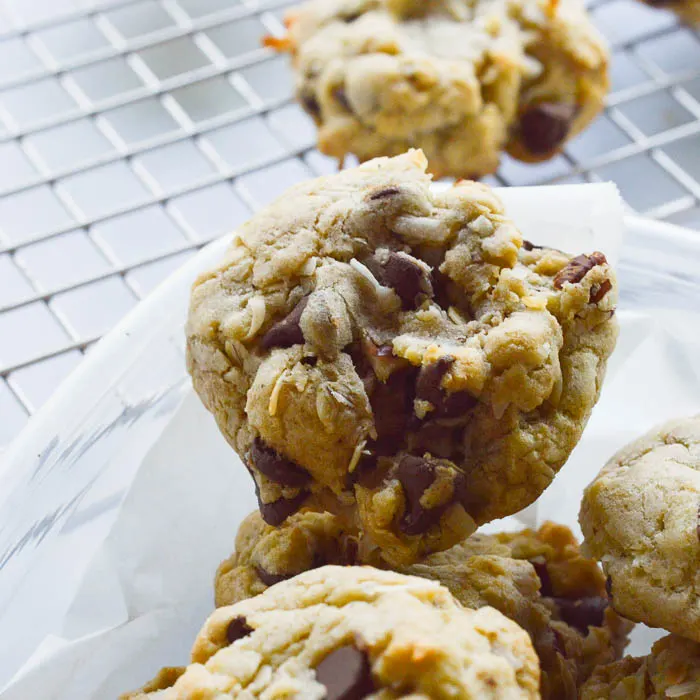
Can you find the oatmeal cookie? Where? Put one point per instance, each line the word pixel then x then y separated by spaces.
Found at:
pixel 357 632
pixel 640 519
pixel 462 79
pixel 672 670
pixel 399 356
pixel 538 579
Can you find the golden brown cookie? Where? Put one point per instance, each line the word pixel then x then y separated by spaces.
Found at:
pixel 398 355
pixel 464 80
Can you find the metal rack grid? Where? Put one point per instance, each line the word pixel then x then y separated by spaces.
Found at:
pixel 134 131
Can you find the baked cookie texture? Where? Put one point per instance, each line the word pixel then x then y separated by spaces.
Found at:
pixel 538 579
pixel 671 670
pixel 357 632
pixel 464 80
pixel 640 519
pixel 399 355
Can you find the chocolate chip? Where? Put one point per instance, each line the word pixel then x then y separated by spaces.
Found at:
pixel 392 404
pixel 237 629
pixel 383 194
pixel 545 126
pixel 531 246
pixel 404 276
pixel 278 511
pixel 577 269
pixel 346 674
pixel 342 98
pixel 286 332
pixel 540 566
pixel 598 291
pixel 311 105
pixel 276 467
pixel 429 388
pixel 270 579
pixel 608 580
pixel 583 612
pixel 351 552
pixel 439 440
pixel 416 475
pixel 428 385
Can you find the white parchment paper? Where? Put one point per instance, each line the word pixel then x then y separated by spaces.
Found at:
pixel 149 586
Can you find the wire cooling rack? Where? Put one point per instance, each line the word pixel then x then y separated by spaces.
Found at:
pixel 134 131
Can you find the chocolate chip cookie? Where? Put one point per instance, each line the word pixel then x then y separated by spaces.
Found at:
pixel 357 632
pixel 538 579
pixel 672 670
pixel 462 79
pixel 398 355
pixel 640 519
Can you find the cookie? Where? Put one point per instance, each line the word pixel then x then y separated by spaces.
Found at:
pixel 165 679
pixel 671 670
pixel 398 355
pixel 355 632
pixel 538 579
pixel 640 519
pixel 464 80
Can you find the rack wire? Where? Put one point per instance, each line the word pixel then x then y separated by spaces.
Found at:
pixel 132 132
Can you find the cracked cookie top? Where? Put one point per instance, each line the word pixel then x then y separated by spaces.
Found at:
pixel 398 355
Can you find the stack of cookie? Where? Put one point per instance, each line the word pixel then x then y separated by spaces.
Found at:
pixel 396 366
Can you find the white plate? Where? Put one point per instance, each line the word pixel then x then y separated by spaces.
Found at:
pixel 65 476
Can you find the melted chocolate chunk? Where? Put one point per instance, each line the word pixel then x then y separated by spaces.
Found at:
pixel 346 674
pixel 286 332
pixel 270 579
pixel 608 580
pixel 439 440
pixel 429 388
pixel 311 105
pixel 276 467
pixel 384 194
pixel 278 511
pixel 416 475
pixel 582 613
pixel 392 406
pixel 237 629
pixel 578 268
pixel 598 291
pixel 540 566
pixel 545 126
pixel 342 98
pixel 404 276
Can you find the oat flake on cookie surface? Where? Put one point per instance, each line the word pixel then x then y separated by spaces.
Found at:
pixel 399 356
